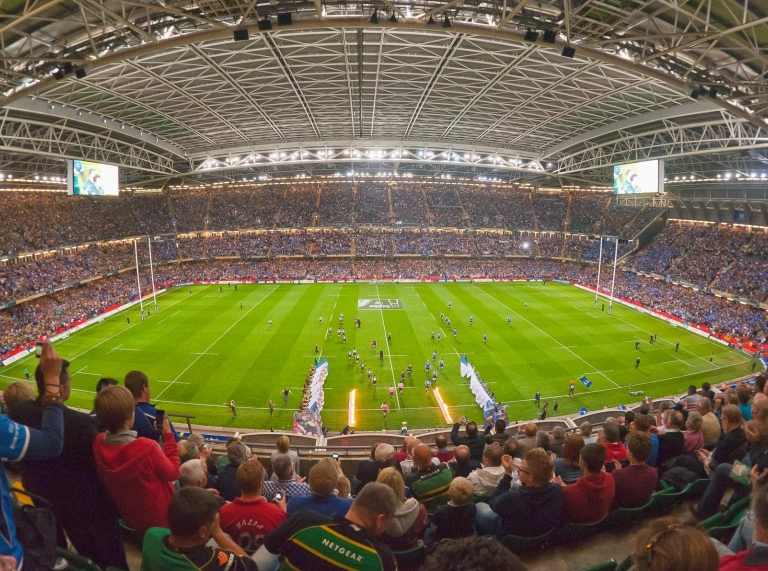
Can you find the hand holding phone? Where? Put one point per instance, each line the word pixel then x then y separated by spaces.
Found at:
pixel 335 456
pixel 38 349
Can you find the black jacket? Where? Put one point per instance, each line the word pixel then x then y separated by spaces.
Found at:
pixel 476 445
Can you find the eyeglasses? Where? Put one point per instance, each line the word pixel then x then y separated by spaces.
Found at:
pixel 654 540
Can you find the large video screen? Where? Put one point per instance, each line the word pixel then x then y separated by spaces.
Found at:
pixel 94 179
pixel 636 178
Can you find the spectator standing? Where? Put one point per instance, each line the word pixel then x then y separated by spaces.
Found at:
pixel 249 518
pixel 146 413
pixel 410 520
pixel 323 479
pixel 473 440
pixel 527 442
pixel 557 441
pixel 18 442
pixel 193 519
pixel 138 474
pixel 17 393
pixel 585 428
pixel 500 435
pixel 70 482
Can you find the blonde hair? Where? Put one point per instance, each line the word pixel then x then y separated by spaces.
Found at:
pixel 392 478
pixel 283 444
pixel 343 487
pixel 460 491
pixel 17 392
pixel 114 407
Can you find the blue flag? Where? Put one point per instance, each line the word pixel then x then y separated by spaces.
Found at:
pixel 583 411
pixel 586 381
pixel 622 407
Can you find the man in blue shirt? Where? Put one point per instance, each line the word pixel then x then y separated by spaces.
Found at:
pixel 19 442
pixel 146 413
pixel 323 479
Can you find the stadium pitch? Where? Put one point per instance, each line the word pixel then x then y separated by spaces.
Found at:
pixel 202 349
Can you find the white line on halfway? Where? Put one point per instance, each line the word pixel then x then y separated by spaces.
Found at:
pixel 386 340
pixel 547 334
pixel 216 341
pixel 102 342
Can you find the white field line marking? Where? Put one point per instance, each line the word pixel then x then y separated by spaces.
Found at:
pixel 93 374
pixel 685 362
pixel 177 382
pixel 215 354
pixel 386 340
pixel 33 382
pixel 473 405
pixel 115 349
pixel 547 334
pixel 216 341
pixel 102 342
pixel 663 340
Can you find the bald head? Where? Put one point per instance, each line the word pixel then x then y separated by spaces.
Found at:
pixel 462 453
pixel 760 407
pixel 422 457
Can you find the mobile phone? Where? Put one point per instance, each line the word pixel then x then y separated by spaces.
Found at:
pixel 159 417
pixel 335 456
pixel 38 349
pixel 279 496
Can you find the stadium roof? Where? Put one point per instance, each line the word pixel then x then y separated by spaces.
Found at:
pixel 523 89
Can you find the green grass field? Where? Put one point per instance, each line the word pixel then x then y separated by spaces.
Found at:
pixel 201 350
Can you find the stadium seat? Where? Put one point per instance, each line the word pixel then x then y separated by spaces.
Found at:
pixel 696 489
pixel 76 562
pixel 625 565
pixel 604 566
pixel 618 519
pixel 662 502
pixel 519 545
pixel 130 535
pixel 575 531
pixel 724 532
pixel 410 558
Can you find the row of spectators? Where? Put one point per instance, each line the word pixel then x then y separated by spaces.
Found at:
pixel 730 259
pixel 60 220
pixel 104 470
pixel 44 315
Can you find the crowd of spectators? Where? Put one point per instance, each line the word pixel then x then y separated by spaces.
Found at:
pixel 371 204
pixel 367 244
pixel 550 210
pixel 44 315
pixel 727 258
pixel 125 466
pixel 414 243
pixel 62 220
pixel 408 205
pixel 336 205
pixel 332 243
pixel 298 207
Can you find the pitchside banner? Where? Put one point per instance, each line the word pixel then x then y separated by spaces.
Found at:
pixel 378 304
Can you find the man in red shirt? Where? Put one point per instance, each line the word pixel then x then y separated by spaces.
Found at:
pixel 590 498
pixel 250 517
pixel 636 482
pixel 614 450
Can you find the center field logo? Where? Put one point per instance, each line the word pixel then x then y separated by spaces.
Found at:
pixel 378 304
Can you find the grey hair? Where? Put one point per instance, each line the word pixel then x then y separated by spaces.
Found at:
pixel 191 473
pixel 198 439
pixel 283 467
pixel 237 453
pixel 695 420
